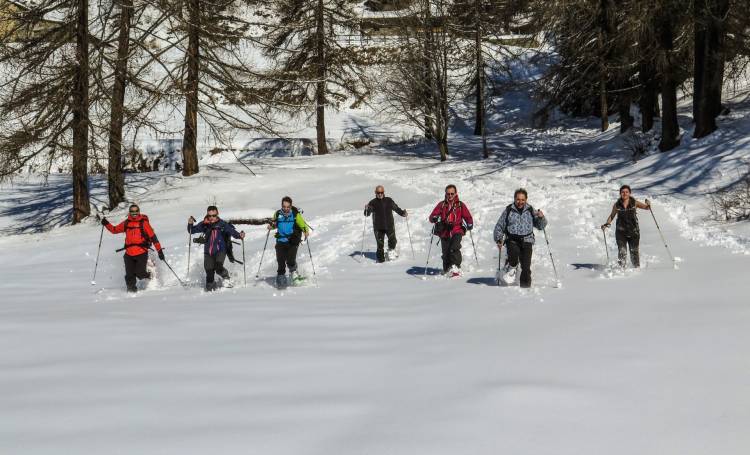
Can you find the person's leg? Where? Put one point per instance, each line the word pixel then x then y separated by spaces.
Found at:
pixel 380 240
pixel 220 269
pixel 455 253
pixel 634 245
pixel 622 248
pixel 445 246
pixel 281 249
pixel 513 250
pixel 392 241
pixel 525 259
pixel 129 273
pixel 210 266
pixel 291 258
pixel 140 266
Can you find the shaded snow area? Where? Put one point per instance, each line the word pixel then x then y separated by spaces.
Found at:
pixel 373 359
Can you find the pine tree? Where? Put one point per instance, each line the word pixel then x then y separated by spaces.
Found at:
pixel 312 70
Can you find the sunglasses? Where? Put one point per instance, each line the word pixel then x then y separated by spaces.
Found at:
pixel 135 212
pixel 450 194
pixel 212 216
pixel 380 192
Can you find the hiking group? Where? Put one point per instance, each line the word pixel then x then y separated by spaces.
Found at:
pixel 451 220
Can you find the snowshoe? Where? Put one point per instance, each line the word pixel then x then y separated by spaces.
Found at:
pixel 295 278
pixel 506 276
pixel 281 282
pixel 454 272
pixel 391 255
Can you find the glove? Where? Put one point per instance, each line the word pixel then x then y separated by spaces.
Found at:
pixel 469 227
pixel 191 220
pixel 105 221
pixel 605 225
pixel 435 219
pixel 160 253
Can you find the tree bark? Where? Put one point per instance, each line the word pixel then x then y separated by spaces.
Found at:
pixel 711 21
pixel 320 89
pixel 81 203
pixel 670 128
pixel 623 106
pixel 480 104
pixel 190 138
pixel 115 179
pixel 603 107
pixel 649 94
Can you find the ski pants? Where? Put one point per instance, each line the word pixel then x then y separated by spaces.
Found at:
pixel 286 256
pixel 451 251
pixel 380 235
pixel 135 267
pixel 625 242
pixel 520 251
pixel 215 264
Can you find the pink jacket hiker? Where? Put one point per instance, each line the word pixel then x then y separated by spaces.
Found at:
pixel 452 215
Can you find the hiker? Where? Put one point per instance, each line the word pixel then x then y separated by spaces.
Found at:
pixel 515 229
pixel 381 208
pixel 139 236
pixel 627 232
pixel 452 219
pixel 290 228
pixel 218 237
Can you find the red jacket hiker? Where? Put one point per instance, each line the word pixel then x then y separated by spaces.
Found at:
pixel 451 216
pixel 139 234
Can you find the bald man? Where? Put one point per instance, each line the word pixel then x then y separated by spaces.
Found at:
pixel 381 208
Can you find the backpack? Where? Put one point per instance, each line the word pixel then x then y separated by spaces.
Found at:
pixel 296 236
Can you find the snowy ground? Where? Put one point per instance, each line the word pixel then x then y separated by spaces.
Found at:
pixel 374 360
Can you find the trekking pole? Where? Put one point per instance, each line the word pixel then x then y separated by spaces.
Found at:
pixel 471 236
pixel 244 273
pixel 364 229
pixel 606 248
pixel 96 265
pixel 174 273
pixel 312 264
pixel 413 254
pixel 557 278
pixel 190 241
pixel 429 252
pixel 674 264
pixel 257 275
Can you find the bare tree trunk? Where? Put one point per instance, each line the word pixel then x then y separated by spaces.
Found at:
pixel 699 55
pixel 116 181
pixel 320 89
pixel 480 106
pixel 711 71
pixel 603 107
pixel 81 203
pixel 190 138
pixel 670 128
pixel 649 94
pixel 623 106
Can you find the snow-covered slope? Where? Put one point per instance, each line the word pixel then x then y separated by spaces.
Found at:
pixel 373 359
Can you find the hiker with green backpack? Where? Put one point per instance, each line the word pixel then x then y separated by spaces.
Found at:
pixel 290 229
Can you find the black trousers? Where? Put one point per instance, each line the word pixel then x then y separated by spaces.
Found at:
pixel 286 256
pixel 625 242
pixel 451 251
pixel 380 235
pixel 520 251
pixel 135 267
pixel 215 264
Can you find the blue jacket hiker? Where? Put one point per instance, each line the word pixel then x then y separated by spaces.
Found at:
pixel 290 228
pixel 217 240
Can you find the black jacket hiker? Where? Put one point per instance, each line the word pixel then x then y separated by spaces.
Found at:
pixel 383 225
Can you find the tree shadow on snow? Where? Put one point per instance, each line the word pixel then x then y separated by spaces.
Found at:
pixel 420 271
pixel 588 266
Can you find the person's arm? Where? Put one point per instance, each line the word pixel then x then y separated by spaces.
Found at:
pixel 234 233
pixel 118 229
pixel 435 214
pixel 540 221
pixel 499 232
pixel 641 205
pixel 611 217
pixel 195 228
pixel 368 208
pixel 151 235
pixel 302 224
pixel 466 215
pixel 397 209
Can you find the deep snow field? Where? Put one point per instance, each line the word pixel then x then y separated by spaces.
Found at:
pixel 373 359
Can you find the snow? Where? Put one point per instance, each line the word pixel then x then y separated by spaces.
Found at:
pixel 369 358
